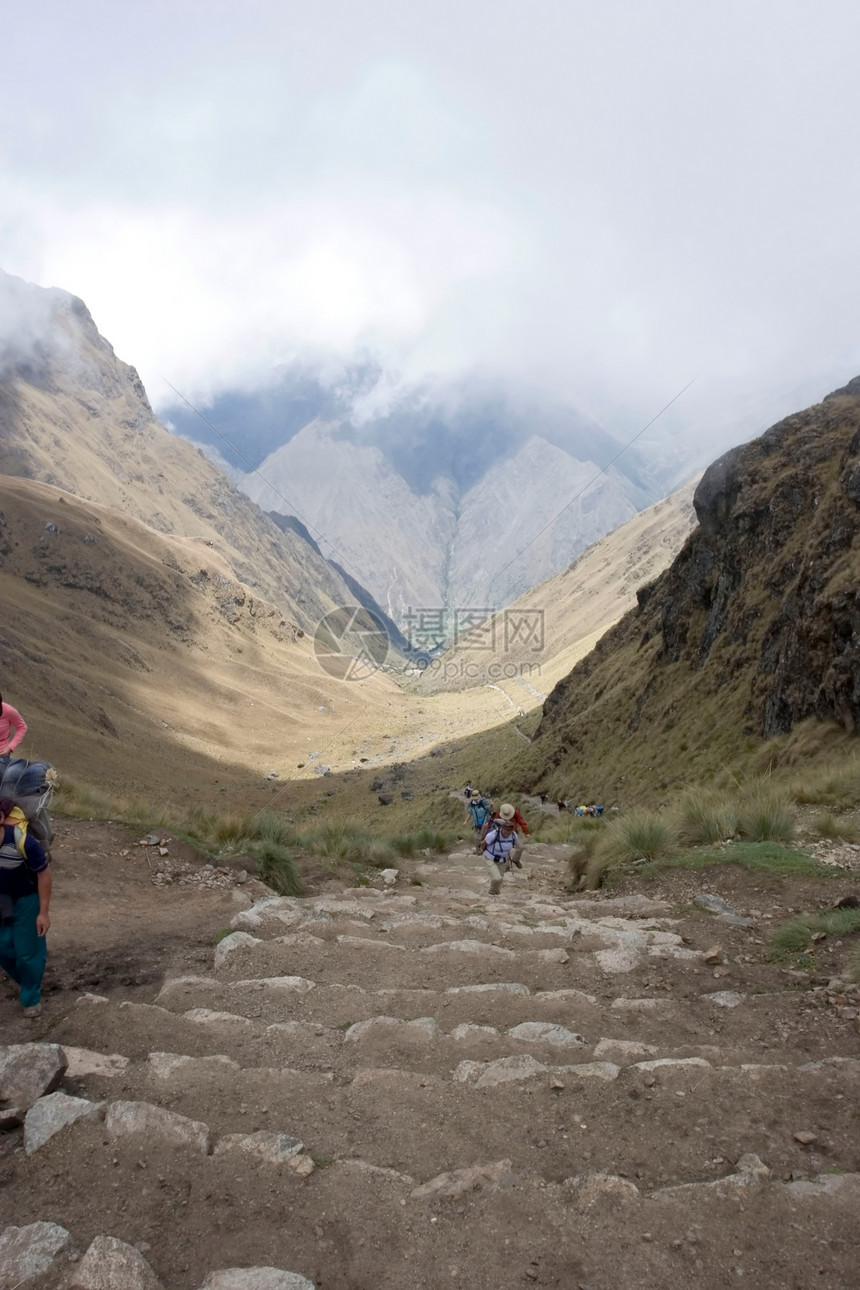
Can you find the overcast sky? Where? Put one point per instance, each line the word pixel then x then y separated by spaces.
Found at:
pixel 612 198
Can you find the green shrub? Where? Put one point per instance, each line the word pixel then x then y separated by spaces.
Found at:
pixel 706 817
pixel 765 815
pixel 277 869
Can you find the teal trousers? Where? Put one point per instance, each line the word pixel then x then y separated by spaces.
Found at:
pixel 23 952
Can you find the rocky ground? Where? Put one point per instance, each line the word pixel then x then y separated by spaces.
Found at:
pixel 425 1087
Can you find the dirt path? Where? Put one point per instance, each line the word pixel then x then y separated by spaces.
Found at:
pixel 532 1089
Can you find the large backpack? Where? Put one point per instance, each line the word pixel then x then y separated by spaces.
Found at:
pixel 480 812
pixel 497 847
pixel 30 785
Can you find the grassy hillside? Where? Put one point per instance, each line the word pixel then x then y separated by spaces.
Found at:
pixel 752 630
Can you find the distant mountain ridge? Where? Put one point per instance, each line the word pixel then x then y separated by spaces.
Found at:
pixel 441 549
pixel 446 496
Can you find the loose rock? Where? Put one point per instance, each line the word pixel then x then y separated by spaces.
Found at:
pixel 110 1264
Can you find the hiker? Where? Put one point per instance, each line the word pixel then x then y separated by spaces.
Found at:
pixel 561 804
pixel 498 846
pixel 25 894
pixel 512 816
pixel 479 811
pixel 13 728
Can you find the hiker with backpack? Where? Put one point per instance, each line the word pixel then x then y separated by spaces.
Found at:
pixel 498 847
pixel 13 728
pixel 25 895
pixel 512 815
pixel 479 811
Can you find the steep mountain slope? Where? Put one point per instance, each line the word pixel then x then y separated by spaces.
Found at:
pixel 74 416
pixel 144 667
pixel 753 628
pixel 529 515
pixel 362 513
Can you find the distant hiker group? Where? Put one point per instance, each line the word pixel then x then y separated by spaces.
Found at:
pixel 594 809
pixel 25 875
pixel 497 835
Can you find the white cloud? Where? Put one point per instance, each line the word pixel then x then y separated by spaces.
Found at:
pixel 613 197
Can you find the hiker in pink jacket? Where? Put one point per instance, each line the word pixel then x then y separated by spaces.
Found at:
pixel 13 728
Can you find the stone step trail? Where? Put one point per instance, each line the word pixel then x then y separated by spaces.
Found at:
pixel 448 1117
pixel 460 1082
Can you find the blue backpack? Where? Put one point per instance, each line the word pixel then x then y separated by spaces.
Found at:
pixel 480 812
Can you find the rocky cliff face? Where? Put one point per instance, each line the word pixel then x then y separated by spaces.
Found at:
pixel 443 547
pixel 756 624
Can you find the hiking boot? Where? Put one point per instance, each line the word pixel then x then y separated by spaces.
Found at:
pixel 35 1010
pixel 517 862
pixel 495 886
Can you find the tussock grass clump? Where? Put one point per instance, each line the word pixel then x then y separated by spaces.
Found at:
pixel 794 936
pixel 641 835
pixel 845 828
pixel 268 826
pixel 585 836
pixel 82 802
pixel 231 827
pixel 345 842
pixel 852 965
pixel 831 785
pixel 765 815
pixel 705 818
pixel 808 739
pixel 277 868
pixel 411 844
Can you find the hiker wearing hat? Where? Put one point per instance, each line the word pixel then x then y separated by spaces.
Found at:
pixel 478 813
pixel 499 844
pixel 508 812
pixel 25 894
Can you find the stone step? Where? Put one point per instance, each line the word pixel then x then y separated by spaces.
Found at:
pixel 350 959
pixel 295 1021
pixel 404 1117
pixel 544 1227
